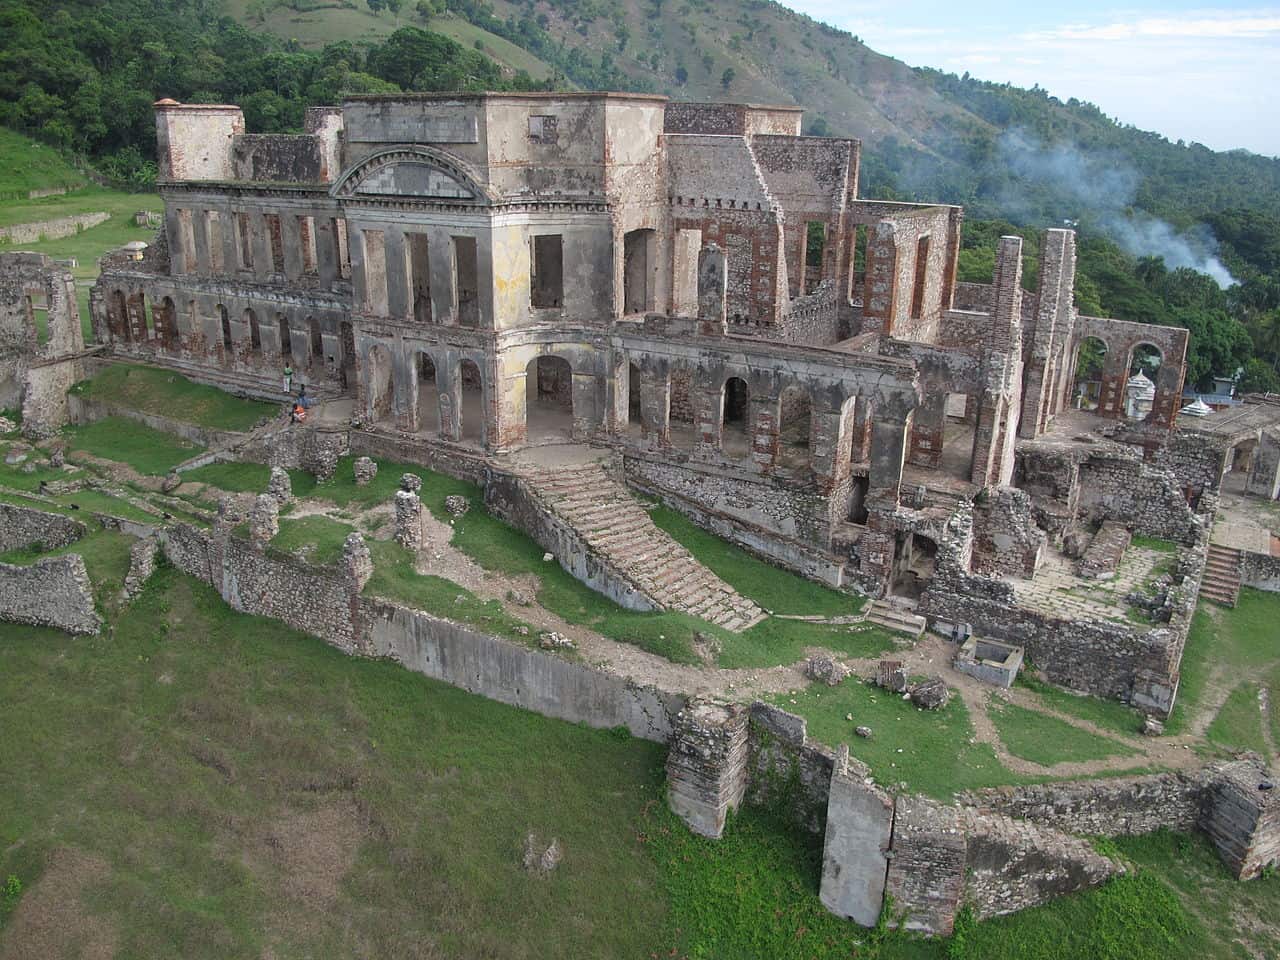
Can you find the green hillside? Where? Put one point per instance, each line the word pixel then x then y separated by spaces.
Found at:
pixel 27 166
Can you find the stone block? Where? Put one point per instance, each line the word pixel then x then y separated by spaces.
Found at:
pixel 365 470
pixel 855 850
pixel 707 764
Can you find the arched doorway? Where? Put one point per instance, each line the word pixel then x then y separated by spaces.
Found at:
pixel 472 390
pixel 635 412
pixel 255 334
pixel 913 564
pixel 315 340
pixel 1140 387
pixel 795 413
pixel 286 339
pixel 735 419
pixel 428 395
pixel 1086 387
pixel 379 390
pixel 166 323
pixel 224 319
pixel 549 400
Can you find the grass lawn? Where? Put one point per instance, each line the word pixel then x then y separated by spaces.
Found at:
pixel 496 545
pixel 775 589
pixel 1047 740
pixel 248 478
pixel 1241 640
pixel 1154 543
pixel 1238 725
pixel 163 392
pixel 26 165
pixel 13 476
pixel 317 539
pixel 126 441
pixel 1107 714
pixel 928 750
pixel 395 579
pixel 231 788
pixel 201 783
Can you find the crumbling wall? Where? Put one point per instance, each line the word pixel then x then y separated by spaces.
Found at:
pixel 1260 571
pixel 52 592
pixel 1121 806
pixel 22 527
pixel 787 770
pixel 1144 497
pixel 516 675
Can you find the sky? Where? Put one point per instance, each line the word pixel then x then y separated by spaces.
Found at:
pixel 1189 71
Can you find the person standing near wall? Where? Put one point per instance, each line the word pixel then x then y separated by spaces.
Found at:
pixel 288 378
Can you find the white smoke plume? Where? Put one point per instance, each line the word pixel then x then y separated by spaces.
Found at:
pixel 1104 188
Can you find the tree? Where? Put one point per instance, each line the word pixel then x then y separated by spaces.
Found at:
pixel 682 75
pixel 623 35
pixel 1259 377
pixel 726 78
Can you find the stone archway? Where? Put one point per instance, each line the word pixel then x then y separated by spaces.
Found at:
pixel 735 419
pixel 549 400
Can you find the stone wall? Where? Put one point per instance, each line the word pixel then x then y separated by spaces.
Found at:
pixel 52 592
pixel 1123 806
pixel 516 675
pixel 22 527
pixel 1260 571
pixel 786 770
pixel 88 409
pixel 54 229
pixel 1116 660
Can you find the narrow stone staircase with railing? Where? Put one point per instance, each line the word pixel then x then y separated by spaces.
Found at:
pixel 620 531
pixel 1221 582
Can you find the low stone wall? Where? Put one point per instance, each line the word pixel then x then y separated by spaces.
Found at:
pixel 1260 571
pixel 52 592
pixel 511 499
pixel 54 229
pixel 516 675
pixel 326 602
pixel 459 464
pixel 22 527
pixel 87 410
pixel 1124 806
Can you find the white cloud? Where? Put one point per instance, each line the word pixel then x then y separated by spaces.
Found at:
pixel 1225 26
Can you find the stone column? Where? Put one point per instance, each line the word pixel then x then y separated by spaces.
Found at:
pixel 399 296
pixel 450 387
pixel 707 764
pixel 326 252
pixel 264 521
pixel 291 243
pixel 764 434
pixel 708 415
pixel 408 508
pixel 280 487
pixel 260 243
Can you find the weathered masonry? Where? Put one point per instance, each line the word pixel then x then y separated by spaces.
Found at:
pixel 695 284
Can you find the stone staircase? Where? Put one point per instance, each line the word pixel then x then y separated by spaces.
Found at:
pixel 885 614
pixel 1221 582
pixel 619 530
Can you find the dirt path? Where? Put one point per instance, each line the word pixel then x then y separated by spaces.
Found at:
pixel 1265 707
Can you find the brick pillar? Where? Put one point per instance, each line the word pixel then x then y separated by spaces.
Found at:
pixel 707 764
pixel 764 433
pixel 450 386
pixel 408 520
pixel 824 441
pixel 708 412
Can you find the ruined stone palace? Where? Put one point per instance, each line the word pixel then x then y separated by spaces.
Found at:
pixel 699 289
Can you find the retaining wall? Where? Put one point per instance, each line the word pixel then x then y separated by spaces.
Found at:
pixel 54 229
pixel 52 592
pixel 22 527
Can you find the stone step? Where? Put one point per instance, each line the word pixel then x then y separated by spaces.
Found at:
pixel 889 617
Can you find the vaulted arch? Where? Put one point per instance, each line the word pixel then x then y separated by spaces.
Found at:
pixel 417 171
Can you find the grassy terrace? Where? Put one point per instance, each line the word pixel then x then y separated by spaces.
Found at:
pixel 499 547
pixel 162 392
pixel 210 785
pixel 118 438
